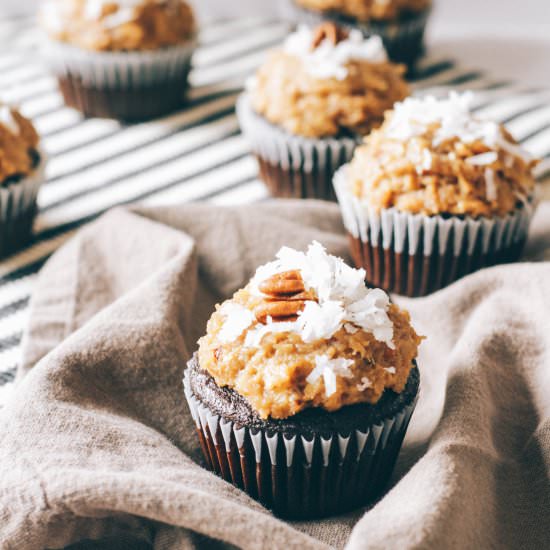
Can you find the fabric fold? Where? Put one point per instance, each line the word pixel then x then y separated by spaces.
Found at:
pixel 97 441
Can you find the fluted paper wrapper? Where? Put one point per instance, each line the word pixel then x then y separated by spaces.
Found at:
pixel 415 254
pixel 293 166
pixel 299 477
pixel 127 85
pixel 18 209
pixel 403 39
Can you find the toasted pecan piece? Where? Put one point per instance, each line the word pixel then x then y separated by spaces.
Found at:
pixel 330 31
pixel 280 310
pixel 283 284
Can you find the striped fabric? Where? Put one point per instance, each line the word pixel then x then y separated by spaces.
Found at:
pixel 195 154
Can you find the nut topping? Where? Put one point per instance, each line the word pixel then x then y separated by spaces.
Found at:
pixel 285 297
pixel 330 31
pixel 286 283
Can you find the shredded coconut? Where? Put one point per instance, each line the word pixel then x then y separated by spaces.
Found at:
pixel 7 119
pixel 390 370
pixel 365 384
pixel 329 60
pixel 343 300
pixel 414 116
pixel 238 319
pixel 491 190
pixel 329 369
pixel 483 159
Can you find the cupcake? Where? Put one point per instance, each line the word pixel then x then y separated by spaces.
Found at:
pixel 21 174
pixel 303 386
pixel 311 102
pixel 125 59
pixel 435 194
pixel 400 23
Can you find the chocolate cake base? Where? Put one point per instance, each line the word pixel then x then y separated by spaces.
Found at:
pixel 128 104
pixel 418 274
pixel 314 464
pixel 297 184
pixel 15 232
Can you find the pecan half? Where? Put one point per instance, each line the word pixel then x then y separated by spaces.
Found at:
pixel 280 310
pixel 285 297
pixel 330 31
pixel 286 283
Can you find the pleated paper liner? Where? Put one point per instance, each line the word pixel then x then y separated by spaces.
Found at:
pixel 414 254
pixel 302 476
pixel 129 86
pixel 18 208
pixel 403 39
pixel 293 166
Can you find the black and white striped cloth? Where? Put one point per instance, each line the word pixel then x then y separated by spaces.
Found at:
pixel 195 154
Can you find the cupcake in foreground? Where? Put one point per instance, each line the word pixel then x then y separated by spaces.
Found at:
pixel 435 194
pixel 311 102
pixel 21 174
pixel 304 384
pixel 126 59
pixel 400 23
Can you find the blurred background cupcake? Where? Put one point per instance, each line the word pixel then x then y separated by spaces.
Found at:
pixel 304 385
pixel 126 59
pixel 21 174
pixel 400 23
pixel 435 194
pixel 310 104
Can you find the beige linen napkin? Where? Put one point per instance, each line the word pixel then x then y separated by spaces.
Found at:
pixel 96 442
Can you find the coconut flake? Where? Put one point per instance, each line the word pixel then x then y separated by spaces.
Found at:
pixel 483 159
pixel 7 119
pixel 342 297
pixel 329 369
pixel 491 191
pixel 365 384
pixel 414 116
pixel 237 319
pixel 390 370
pixel 329 60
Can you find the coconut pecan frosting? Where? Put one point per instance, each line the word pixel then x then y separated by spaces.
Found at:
pixel 435 156
pixel 307 332
pixel 119 25
pixel 326 82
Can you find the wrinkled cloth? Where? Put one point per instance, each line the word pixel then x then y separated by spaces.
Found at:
pixel 97 444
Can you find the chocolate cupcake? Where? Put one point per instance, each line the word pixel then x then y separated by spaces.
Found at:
pixel 311 102
pixel 21 174
pixel 435 194
pixel 400 23
pixel 120 59
pixel 304 385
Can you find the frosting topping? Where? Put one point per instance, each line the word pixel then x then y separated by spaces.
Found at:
pixel 329 60
pixel 306 332
pixel 434 156
pixel 342 300
pixel 118 25
pixel 453 118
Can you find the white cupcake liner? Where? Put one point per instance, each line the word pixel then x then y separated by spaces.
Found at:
pixel 119 70
pixel 298 476
pixel 403 38
pixel 293 166
pixel 460 244
pixel 18 208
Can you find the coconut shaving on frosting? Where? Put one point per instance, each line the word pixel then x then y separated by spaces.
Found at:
pixel 343 300
pixel 347 345
pixel 433 156
pixel 330 60
pixel 118 25
pixel 319 90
